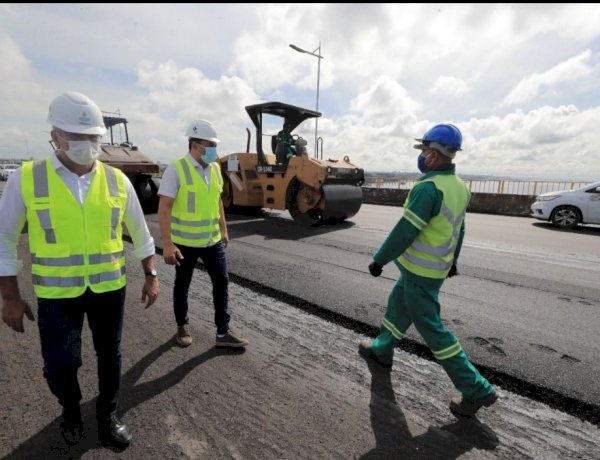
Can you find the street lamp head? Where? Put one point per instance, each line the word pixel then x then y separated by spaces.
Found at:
pixel 300 50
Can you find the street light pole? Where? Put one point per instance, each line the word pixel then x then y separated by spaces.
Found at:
pixel 319 57
pixel 6 147
pixel 26 146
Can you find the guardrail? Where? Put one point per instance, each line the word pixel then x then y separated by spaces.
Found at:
pixel 497 186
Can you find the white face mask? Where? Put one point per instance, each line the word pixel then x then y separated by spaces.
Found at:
pixel 83 152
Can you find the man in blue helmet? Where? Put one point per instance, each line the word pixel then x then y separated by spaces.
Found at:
pixel 425 245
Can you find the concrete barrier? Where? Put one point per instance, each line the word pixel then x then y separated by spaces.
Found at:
pixel 487 203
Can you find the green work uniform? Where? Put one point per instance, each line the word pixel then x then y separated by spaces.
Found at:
pixel 428 217
pixel 285 138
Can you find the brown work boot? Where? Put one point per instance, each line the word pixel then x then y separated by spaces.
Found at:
pixel 364 350
pixel 467 408
pixel 230 340
pixel 183 337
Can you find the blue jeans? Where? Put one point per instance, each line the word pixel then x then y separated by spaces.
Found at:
pixel 60 323
pixel 215 261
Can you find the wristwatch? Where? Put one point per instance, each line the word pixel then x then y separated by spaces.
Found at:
pixel 152 272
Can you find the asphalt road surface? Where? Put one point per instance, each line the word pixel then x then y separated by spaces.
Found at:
pixel 525 306
pixel 300 391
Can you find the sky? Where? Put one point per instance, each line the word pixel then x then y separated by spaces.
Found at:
pixel 521 81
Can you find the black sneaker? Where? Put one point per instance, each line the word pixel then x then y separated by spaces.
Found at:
pixel 113 432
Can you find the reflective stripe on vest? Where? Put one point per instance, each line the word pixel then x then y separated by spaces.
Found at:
pixel 196 210
pixel 431 254
pixel 73 246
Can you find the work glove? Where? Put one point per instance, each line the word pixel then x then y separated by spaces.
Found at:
pixel 375 268
pixel 452 271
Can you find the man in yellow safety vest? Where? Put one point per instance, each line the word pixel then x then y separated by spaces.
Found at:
pixel 74 207
pixel 192 226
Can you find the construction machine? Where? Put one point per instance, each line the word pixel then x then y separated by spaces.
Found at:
pixel 312 190
pixel 139 168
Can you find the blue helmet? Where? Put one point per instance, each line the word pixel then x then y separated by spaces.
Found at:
pixel 444 134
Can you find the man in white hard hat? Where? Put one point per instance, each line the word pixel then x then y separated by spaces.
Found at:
pixel 192 226
pixel 74 207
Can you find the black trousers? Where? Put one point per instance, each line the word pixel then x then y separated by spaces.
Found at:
pixel 215 261
pixel 60 323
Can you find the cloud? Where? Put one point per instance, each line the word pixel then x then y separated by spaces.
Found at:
pixel 173 97
pixel 18 87
pixel 514 78
pixel 384 97
pixel 531 86
pixel 449 87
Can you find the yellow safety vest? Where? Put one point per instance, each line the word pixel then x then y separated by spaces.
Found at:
pixel 74 246
pixel 196 210
pixel 431 254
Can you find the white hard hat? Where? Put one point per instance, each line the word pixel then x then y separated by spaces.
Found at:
pixel 202 129
pixel 76 113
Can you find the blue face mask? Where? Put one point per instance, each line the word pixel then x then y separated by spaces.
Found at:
pixel 210 155
pixel 421 163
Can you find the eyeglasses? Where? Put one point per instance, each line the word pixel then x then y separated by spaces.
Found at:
pixel 210 144
pixel 81 137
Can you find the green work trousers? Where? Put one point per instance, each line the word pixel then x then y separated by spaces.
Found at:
pixel 415 300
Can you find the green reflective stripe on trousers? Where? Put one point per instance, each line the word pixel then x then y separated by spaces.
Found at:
pixel 194 223
pixel 58 281
pixel 390 327
pixel 46 224
pixel 107 276
pixel 40 180
pixel 103 258
pixel 430 264
pixel 447 353
pixel 70 261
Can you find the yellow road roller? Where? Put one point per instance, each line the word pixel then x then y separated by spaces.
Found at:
pixel 312 190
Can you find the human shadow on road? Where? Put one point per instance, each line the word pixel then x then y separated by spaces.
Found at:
pixel 394 440
pixel 48 443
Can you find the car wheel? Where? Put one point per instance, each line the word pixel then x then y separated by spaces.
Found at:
pixel 565 217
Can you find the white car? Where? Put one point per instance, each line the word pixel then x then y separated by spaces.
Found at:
pixel 567 208
pixel 7 169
